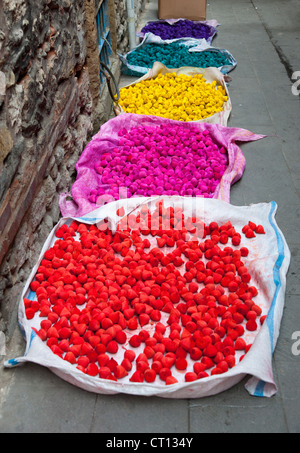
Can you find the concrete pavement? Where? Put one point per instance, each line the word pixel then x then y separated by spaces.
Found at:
pixel 263 35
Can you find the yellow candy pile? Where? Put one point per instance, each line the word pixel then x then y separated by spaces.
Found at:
pixel 177 97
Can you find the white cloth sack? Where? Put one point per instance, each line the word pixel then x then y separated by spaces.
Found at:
pixel 268 263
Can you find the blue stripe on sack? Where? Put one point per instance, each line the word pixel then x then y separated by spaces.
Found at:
pixel 16 362
pixel 13 362
pixel 276 276
pixel 32 336
pixel 259 391
pixel 86 219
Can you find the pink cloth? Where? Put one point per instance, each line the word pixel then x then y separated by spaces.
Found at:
pixel 76 203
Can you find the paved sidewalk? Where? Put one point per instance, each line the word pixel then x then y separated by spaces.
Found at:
pixel 263 35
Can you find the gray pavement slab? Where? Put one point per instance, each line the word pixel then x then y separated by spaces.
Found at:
pixel 262 35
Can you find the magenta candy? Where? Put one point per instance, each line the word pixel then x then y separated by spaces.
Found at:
pixel 171 160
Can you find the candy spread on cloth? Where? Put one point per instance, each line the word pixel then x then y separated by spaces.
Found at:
pixel 180 29
pixel 179 97
pixel 176 55
pixel 168 159
pixel 159 296
pixel 141 155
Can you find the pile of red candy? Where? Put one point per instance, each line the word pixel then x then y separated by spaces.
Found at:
pixel 164 292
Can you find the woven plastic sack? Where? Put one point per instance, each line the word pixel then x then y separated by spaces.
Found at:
pixel 76 203
pixel 268 264
pixel 210 75
pixel 211 24
pixel 194 45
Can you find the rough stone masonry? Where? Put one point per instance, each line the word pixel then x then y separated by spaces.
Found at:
pixel 45 118
pixel 121 22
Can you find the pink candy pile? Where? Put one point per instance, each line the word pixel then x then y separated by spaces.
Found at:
pixel 161 160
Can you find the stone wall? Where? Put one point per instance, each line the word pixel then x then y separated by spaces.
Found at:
pixel 45 118
pixel 121 22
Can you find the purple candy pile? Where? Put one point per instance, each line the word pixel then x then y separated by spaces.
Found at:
pixel 155 160
pixel 181 29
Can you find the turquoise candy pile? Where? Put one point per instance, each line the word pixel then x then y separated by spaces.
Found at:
pixel 175 55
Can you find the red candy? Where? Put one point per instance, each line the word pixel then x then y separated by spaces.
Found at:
pixel 240 344
pixel 149 375
pixel 120 372
pixel 92 369
pixel 105 292
pixel 137 377
pixel 250 234
pixel 252 229
pixel 191 376
pixel 260 230
pixel 29 313
pixel 170 380
pixel 251 325
pixel 181 363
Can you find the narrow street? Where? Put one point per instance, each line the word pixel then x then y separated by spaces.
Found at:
pixel 264 38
